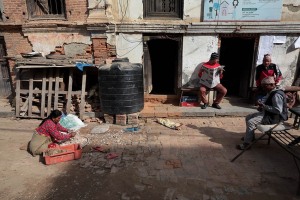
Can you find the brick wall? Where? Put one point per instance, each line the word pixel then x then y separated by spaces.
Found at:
pixel 102 50
pixel 76 10
pixel 15 10
pixel 16 43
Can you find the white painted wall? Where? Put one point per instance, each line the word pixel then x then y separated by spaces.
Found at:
pixel 195 50
pixel 130 46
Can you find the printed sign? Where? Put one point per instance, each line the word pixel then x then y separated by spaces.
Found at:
pixel 242 10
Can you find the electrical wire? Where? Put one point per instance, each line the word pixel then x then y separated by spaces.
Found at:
pixel 129 50
pixel 131 41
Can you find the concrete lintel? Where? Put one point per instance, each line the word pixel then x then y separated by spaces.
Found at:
pixel 205 27
pixel 51 29
pixel 97 27
pixel 99 35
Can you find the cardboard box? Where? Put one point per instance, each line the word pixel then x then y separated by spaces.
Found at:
pixel 192 98
pixel 72 152
pixel 189 101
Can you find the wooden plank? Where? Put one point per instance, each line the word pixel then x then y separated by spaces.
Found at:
pixel 83 85
pixel 49 91
pixel 41 80
pixel 43 66
pixel 43 93
pixel 69 100
pixel 30 96
pixel 24 108
pixel 56 88
pixel 24 91
pixel 18 85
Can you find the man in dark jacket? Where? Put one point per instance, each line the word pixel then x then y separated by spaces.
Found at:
pixel 272 110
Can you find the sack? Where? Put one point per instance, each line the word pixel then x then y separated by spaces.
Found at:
pixel 71 122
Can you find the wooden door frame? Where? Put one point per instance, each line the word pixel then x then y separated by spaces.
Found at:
pixel 147 64
pixel 6 82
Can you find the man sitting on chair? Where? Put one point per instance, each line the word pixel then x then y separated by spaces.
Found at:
pixel 272 110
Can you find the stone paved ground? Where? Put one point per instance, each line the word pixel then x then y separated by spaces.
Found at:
pixel 153 163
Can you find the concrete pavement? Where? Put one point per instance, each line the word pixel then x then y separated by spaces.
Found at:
pixel 230 107
pixel 153 163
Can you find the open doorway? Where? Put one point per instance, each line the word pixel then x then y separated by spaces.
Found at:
pixel 161 65
pixel 236 53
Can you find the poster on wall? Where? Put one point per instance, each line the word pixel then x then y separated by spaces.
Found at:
pixel 242 10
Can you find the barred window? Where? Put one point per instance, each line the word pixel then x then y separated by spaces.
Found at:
pixel 163 8
pixel 46 9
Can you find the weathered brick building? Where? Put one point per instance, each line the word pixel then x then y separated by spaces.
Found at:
pixel 170 38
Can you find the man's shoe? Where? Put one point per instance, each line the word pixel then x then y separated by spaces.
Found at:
pixel 204 106
pixel 242 146
pixel 214 105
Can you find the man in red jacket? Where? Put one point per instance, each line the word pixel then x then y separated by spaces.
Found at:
pixel 266 69
pixel 210 74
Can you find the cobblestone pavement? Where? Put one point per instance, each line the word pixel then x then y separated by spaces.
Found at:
pixel 154 162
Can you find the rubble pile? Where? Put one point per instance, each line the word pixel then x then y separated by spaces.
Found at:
pixel 109 152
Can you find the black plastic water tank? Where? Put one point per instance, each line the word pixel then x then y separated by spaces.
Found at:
pixel 121 88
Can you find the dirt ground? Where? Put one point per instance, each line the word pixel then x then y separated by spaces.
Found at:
pixel 154 162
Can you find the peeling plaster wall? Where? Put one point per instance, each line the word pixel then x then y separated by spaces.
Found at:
pixel 286 56
pixel 192 10
pixel 46 42
pixel 291 10
pixel 196 49
pixel 132 10
pixel 111 39
pixel 130 46
pixel 292 2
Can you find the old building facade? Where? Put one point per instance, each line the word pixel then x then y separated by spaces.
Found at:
pixel 170 37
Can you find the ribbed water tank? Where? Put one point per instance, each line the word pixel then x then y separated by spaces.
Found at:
pixel 121 88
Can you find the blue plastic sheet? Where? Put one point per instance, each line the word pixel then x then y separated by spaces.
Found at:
pixel 81 65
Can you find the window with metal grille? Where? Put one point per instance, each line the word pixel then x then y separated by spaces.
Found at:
pixel 46 9
pixel 163 9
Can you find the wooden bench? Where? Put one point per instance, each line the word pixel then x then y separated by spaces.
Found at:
pixel 185 91
pixel 296 112
pixel 279 134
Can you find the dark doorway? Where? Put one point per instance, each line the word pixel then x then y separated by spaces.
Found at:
pixel 164 64
pixel 236 54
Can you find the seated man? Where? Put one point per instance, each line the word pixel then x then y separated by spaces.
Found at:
pixel 267 68
pixel 206 84
pixel 272 110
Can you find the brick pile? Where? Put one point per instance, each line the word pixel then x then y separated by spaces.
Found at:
pixel 122 119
